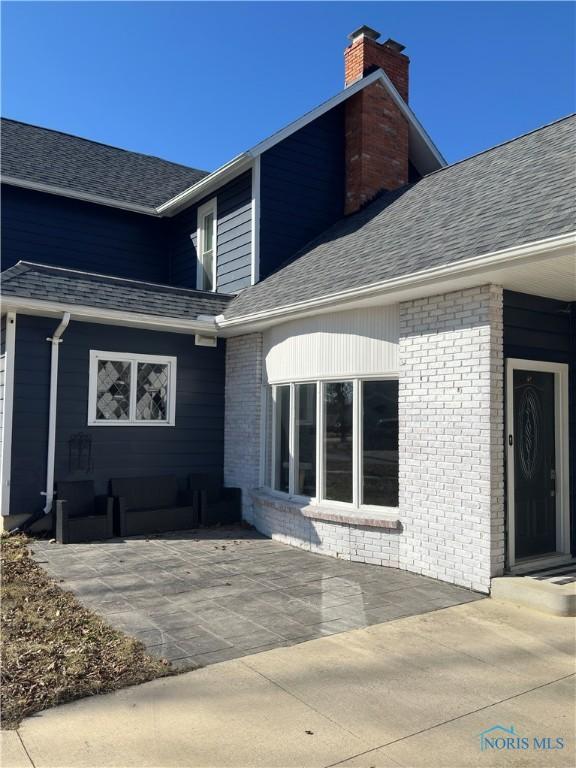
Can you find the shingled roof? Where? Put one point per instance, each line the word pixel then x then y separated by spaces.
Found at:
pixel 519 192
pixel 44 156
pixel 70 287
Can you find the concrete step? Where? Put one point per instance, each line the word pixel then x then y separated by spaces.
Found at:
pixel 555 596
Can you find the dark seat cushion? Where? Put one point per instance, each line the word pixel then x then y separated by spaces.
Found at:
pixel 212 484
pixel 79 497
pixel 146 492
pixel 149 521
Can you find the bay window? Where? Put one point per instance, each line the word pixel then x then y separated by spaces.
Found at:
pixel 337 438
pixel 337 441
pixel 380 443
pixel 282 439
pixel 305 439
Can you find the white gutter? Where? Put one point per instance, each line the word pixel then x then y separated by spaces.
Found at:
pixel 109 316
pixel 425 154
pixel 505 257
pixel 88 197
pixel 55 341
pixel 203 187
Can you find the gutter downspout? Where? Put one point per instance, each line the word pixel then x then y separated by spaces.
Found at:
pixel 55 341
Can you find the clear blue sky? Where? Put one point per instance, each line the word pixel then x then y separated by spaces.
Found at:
pixel 198 83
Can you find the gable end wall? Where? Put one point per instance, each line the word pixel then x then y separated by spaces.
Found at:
pixel 301 188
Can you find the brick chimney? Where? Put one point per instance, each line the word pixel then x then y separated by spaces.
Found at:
pixel 376 130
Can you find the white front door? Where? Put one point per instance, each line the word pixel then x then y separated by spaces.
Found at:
pixel 537 461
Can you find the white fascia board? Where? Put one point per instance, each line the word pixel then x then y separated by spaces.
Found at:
pixel 242 161
pixel 108 316
pixel 318 111
pixel 205 186
pixel 524 253
pixel 425 155
pixel 85 196
pixel 417 131
pixel 422 143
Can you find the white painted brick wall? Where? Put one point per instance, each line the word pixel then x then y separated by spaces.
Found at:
pixel 451 436
pixel 361 544
pixel 451 446
pixel 242 416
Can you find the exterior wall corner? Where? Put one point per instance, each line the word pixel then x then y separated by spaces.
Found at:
pixel 243 416
pixel 451 416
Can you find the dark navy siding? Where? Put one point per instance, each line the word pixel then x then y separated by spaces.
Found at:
pixel 30 414
pixel 55 230
pixel 2 375
pixel 195 443
pixel 234 266
pixel 537 328
pixel 302 188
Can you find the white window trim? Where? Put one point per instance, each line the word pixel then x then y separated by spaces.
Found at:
pixel 255 223
pixel 210 207
pixel 133 359
pixel 357 506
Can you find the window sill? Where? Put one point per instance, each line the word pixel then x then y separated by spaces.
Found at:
pixel 333 514
pixel 125 423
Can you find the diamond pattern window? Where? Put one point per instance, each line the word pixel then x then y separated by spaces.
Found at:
pixel 113 394
pixel 152 392
pixel 128 389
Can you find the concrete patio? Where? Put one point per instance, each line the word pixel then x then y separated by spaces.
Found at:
pixel 197 598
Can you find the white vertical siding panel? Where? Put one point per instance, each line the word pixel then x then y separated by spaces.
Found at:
pixel 357 342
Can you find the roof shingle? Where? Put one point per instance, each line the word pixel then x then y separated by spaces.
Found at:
pixel 69 287
pixel 44 156
pixel 515 193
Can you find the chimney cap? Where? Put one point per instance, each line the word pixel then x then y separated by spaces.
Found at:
pixel 364 31
pixel 393 45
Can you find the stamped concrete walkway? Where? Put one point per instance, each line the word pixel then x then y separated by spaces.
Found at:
pixel 200 598
pixel 416 692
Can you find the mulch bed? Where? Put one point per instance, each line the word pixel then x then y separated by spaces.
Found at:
pixel 52 648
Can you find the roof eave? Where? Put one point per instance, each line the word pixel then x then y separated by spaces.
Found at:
pixel 77 195
pixel 82 313
pixel 205 186
pixel 426 281
pixel 424 154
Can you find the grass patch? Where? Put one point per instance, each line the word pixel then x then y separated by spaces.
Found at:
pixel 53 649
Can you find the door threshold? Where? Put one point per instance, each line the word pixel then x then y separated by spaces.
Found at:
pixel 539 563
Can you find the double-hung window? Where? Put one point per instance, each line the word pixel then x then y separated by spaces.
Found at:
pixel 206 246
pixel 128 389
pixel 337 441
